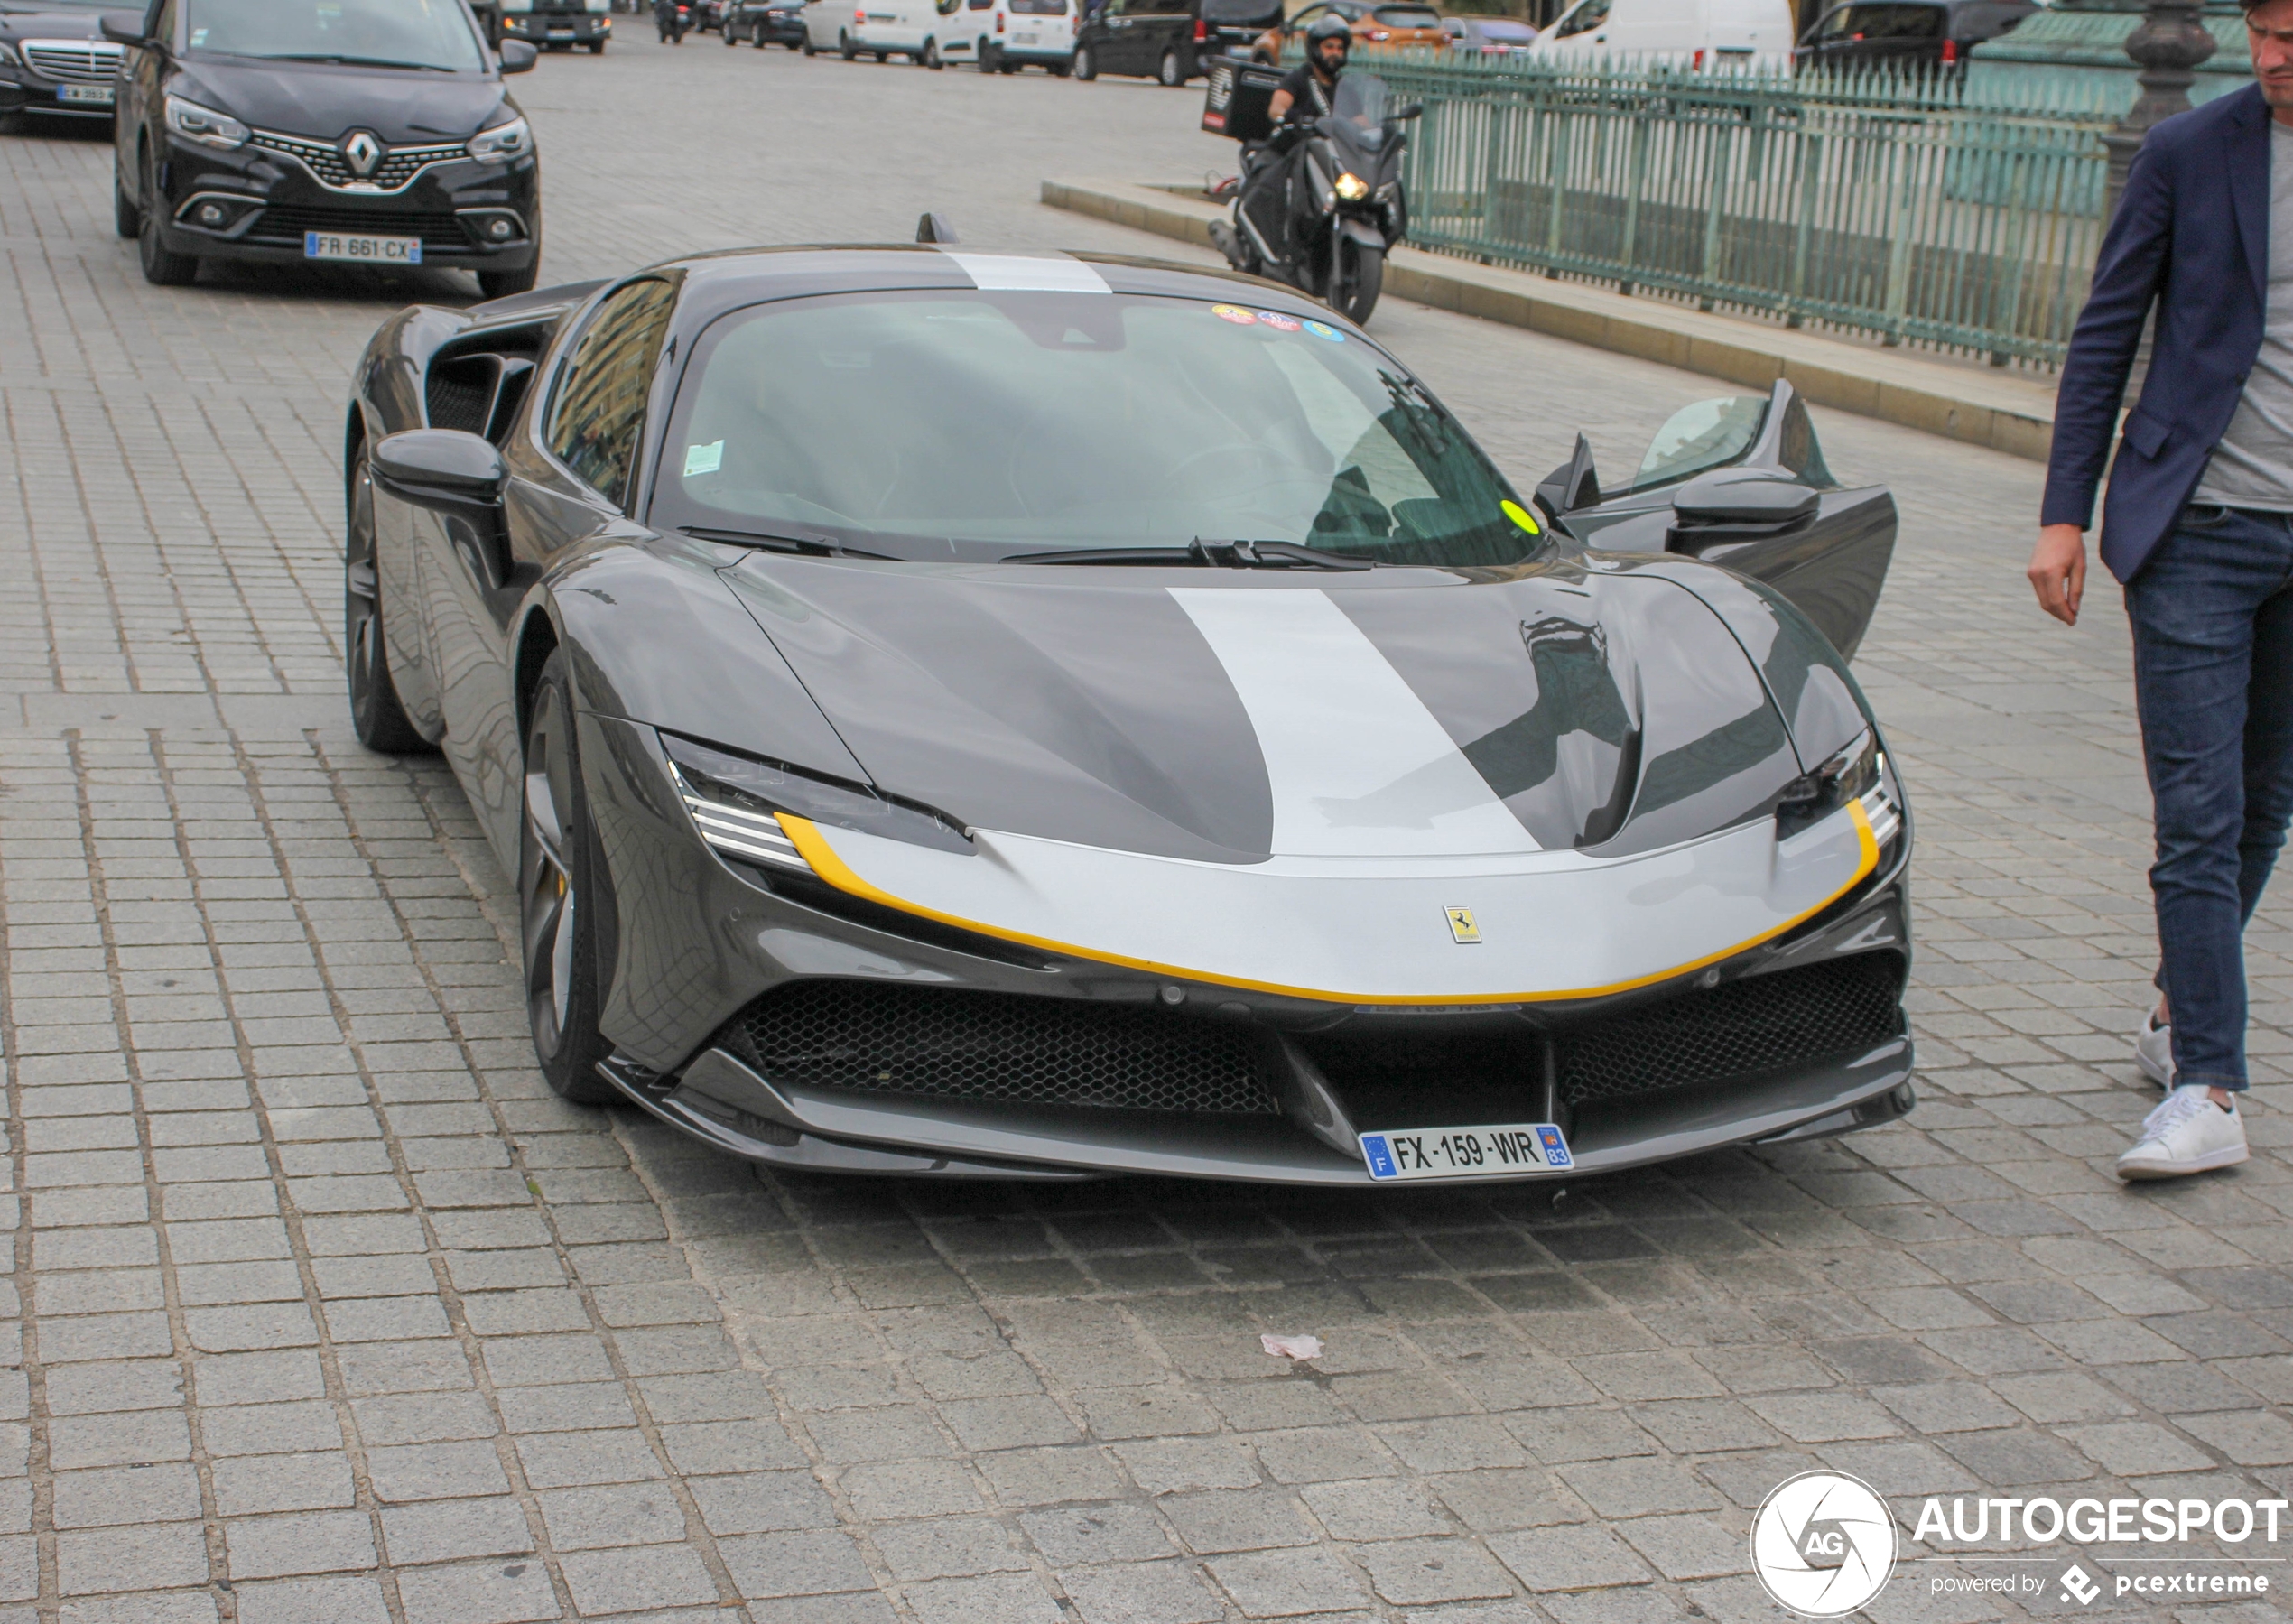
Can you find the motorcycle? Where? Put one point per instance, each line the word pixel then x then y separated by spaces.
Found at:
pixel 673 22
pixel 1323 204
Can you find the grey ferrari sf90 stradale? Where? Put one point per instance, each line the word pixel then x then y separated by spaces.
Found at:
pixel 1032 716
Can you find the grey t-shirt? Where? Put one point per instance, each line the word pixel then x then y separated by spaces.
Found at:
pixel 2254 465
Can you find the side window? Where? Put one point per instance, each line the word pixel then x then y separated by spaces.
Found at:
pixel 597 415
pixel 1834 25
pixel 1587 16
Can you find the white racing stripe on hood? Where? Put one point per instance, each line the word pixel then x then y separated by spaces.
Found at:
pixel 1358 765
pixel 1029 272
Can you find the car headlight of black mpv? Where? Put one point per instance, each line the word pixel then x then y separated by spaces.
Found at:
pixel 204 127
pixel 502 143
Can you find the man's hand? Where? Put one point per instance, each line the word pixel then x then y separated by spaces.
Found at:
pixel 2059 570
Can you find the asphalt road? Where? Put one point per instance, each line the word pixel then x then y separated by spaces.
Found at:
pixel 326 1313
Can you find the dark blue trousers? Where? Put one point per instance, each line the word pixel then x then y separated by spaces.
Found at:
pixel 2213 626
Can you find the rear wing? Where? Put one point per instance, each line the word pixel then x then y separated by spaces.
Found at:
pixel 1235 103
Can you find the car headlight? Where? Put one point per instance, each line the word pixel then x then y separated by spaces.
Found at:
pixel 502 143
pixel 1859 773
pixel 736 804
pixel 204 127
pixel 1352 187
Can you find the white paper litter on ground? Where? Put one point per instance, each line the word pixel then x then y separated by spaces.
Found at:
pixel 1291 1347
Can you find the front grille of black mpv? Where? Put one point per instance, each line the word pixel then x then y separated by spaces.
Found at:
pixel 996 1047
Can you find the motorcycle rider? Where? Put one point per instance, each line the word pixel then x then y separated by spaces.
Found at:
pixel 1305 94
pixel 671 18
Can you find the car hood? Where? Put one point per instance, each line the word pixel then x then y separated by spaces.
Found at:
pixel 50 24
pixel 327 103
pixel 1231 716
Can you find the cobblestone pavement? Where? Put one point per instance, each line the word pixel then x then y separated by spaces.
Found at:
pixel 329 1314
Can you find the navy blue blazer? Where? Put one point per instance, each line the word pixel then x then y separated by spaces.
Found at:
pixel 2192 236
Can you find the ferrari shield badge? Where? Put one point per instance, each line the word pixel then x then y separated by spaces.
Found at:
pixel 1461 924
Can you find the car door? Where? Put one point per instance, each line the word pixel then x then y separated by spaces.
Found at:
pixel 1117 38
pixel 1699 492
pixel 137 96
pixel 575 485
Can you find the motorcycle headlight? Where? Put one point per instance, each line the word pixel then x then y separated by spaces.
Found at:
pixel 204 127
pixel 502 143
pixel 1352 187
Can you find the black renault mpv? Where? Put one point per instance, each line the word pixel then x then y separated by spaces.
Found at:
pixel 357 132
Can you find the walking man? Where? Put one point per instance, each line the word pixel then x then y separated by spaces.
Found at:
pixel 2198 524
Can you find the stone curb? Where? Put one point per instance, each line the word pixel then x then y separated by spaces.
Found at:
pixel 2006 413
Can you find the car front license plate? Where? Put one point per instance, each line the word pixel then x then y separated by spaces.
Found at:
pixel 362 250
pixel 1456 1153
pixel 99 96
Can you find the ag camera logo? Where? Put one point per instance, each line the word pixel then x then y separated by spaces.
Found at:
pixel 1822 1544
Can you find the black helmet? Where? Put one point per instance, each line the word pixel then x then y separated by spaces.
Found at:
pixel 1327 28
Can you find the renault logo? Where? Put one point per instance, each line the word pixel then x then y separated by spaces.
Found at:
pixel 1462 927
pixel 362 152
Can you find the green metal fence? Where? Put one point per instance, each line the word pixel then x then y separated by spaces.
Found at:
pixel 1878 204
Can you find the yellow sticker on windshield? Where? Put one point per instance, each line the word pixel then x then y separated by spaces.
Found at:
pixel 1519 515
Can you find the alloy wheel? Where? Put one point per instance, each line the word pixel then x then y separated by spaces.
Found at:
pixel 546 898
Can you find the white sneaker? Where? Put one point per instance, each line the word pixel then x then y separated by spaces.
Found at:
pixel 2187 1134
pixel 2154 1052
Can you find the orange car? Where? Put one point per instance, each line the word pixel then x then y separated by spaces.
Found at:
pixel 1373 22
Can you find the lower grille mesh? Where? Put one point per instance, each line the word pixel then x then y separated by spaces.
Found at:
pixel 284 223
pixel 949 1045
pixel 1788 1019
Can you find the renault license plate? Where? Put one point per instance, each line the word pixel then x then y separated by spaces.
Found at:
pixel 1455 1152
pixel 362 250
pixel 99 96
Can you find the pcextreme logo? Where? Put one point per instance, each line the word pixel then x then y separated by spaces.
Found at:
pixel 1822 1544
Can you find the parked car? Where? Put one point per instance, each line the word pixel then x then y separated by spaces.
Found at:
pixel 1396 23
pixel 1490 36
pixel 55 61
pixel 1704 33
pixel 1906 32
pixel 965 32
pixel 1231 27
pixel 882 29
pixel 1145 39
pixel 558 25
pixel 893 783
pixel 242 135
pixel 764 23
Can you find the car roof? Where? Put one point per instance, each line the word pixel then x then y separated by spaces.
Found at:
pixel 731 279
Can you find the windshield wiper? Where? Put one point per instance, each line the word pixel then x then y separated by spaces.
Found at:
pixel 360 62
pixel 1228 555
pixel 810 546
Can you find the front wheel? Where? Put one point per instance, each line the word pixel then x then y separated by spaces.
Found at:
pixel 597 47
pixel 1086 63
pixel 729 37
pixel 1170 70
pixel 501 285
pixel 806 45
pixel 1360 275
pixel 931 57
pixel 844 46
pixel 162 266
pixel 377 714
pixel 126 219
pixel 559 889
pixel 757 35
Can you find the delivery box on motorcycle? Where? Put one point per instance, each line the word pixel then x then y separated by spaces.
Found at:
pixel 1235 104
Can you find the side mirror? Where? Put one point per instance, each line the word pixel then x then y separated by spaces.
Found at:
pixel 123 28
pixel 1411 110
pixel 458 477
pixel 1570 486
pixel 518 57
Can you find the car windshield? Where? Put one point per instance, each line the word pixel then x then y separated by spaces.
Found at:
pixel 989 425
pixel 1708 434
pixel 385 33
pixel 1495 29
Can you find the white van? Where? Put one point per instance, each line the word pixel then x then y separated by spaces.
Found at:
pixel 1006 35
pixel 877 28
pixel 1701 33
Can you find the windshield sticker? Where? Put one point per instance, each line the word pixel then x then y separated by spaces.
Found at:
pixel 1280 322
pixel 1519 515
pixel 704 459
pixel 1322 329
pixel 1234 313
pixel 199 38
